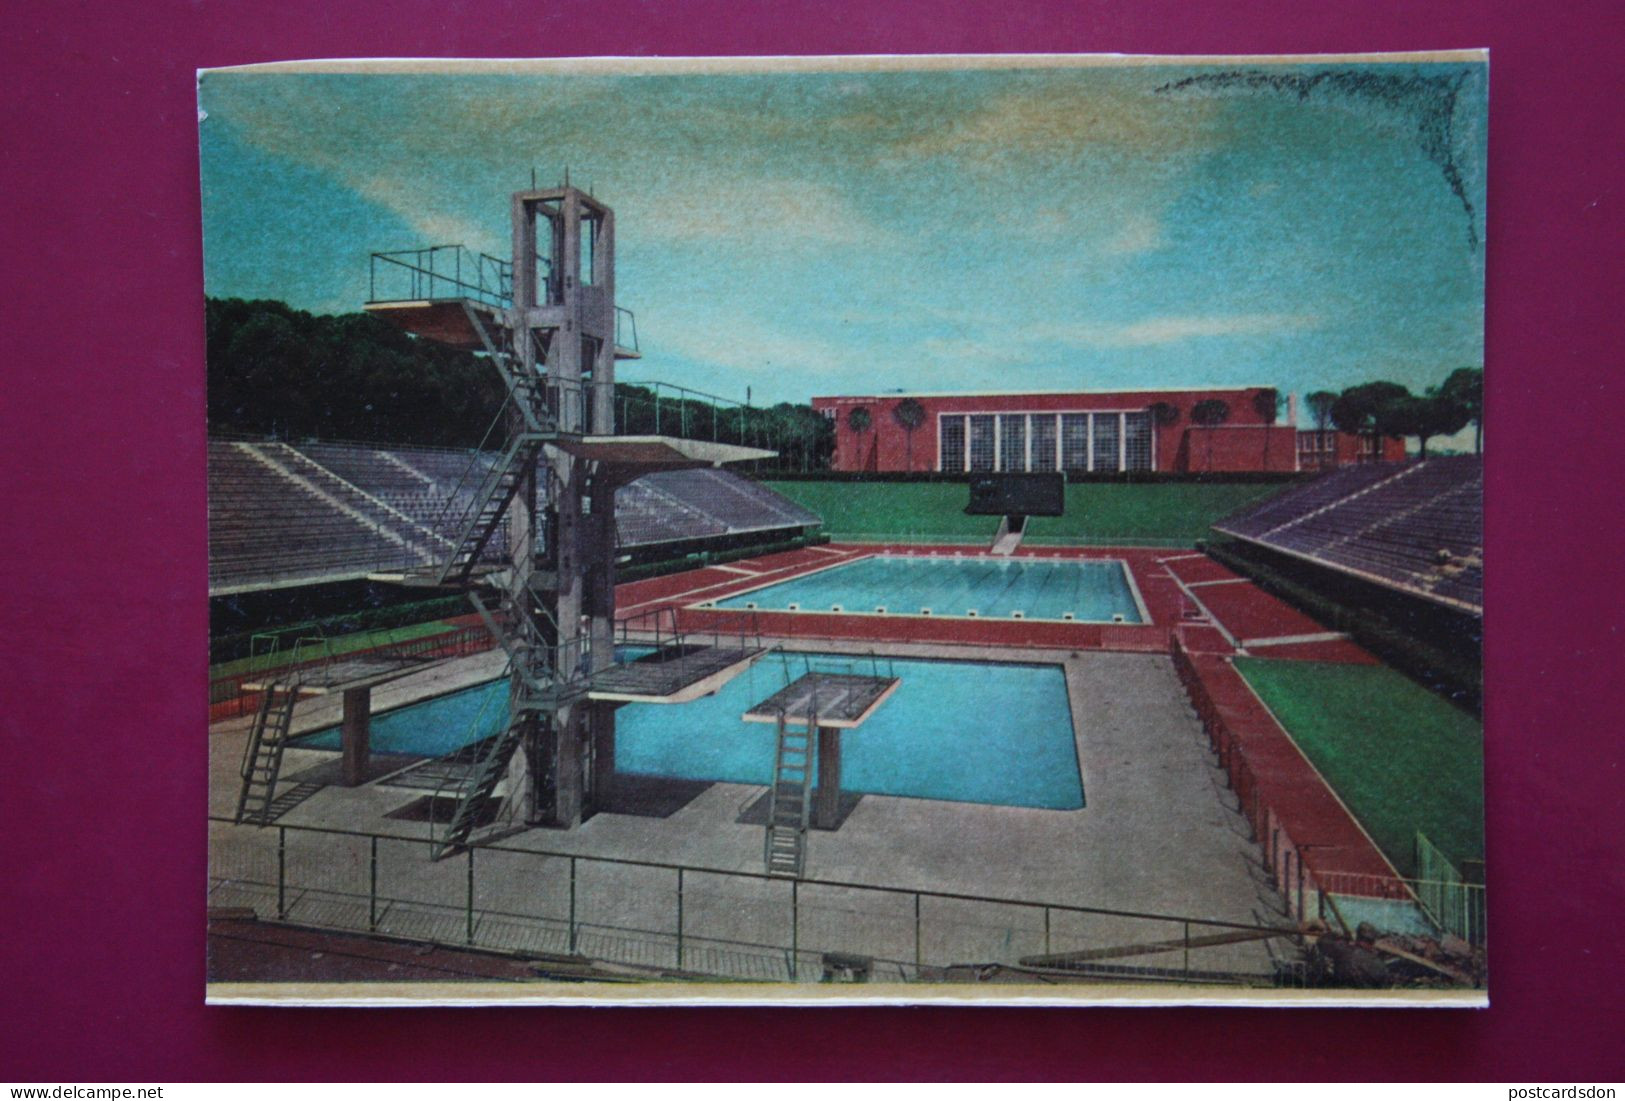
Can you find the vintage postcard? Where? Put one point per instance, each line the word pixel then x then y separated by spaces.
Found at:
pixel 987 529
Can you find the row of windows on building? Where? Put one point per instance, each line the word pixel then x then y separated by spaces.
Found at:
pixel 1044 441
pixel 1318 449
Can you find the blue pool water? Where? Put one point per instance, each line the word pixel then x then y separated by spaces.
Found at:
pixel 959 731
pixel 1094 590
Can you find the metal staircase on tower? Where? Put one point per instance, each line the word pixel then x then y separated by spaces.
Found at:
pixel 537 406
pixel 789 806
pixel 475 789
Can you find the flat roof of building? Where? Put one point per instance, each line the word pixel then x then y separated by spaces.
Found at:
pixel 1043 393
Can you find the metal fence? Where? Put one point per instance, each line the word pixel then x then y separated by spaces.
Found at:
pixel 676 918
pixel 1453 904
pixel 1427 907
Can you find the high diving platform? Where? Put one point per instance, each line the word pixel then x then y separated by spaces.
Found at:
pixel 447 321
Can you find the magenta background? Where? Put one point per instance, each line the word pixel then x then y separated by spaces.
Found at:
pixel 102 543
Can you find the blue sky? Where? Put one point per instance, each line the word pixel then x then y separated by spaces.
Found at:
pixel 837 231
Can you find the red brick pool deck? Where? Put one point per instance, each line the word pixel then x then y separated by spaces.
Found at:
pixel 1200 612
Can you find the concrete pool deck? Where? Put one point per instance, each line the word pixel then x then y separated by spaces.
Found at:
pixel 1161 833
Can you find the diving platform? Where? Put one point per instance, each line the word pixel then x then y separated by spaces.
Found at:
pixel 679 677
pixel 348 674
pixel 447 321
pixel 626 458
pixel 838 700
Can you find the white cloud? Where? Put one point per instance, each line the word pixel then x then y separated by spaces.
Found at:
pixel 1174 329
pixel 767 212
pixel 1140 233
pixel 428 217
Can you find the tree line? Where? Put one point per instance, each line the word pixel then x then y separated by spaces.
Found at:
pixel 277 371
pixel 274 370
pixel 1378 409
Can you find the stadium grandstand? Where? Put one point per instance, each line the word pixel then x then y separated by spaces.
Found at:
pixel 283 515
pixel 1417 528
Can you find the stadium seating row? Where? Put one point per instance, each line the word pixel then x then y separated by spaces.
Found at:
pixel 281 513
pixel 1418 526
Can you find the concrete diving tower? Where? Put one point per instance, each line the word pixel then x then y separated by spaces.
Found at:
pixel 825 703
pixel 547 322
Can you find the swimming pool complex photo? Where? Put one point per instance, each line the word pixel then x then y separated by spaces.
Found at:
pixel 995 529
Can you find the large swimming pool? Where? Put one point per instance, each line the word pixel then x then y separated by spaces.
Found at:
pixel 961 731
pixel 1086 590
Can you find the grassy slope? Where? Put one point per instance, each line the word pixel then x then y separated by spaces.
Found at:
pixel 1174 512
pixel 1401 758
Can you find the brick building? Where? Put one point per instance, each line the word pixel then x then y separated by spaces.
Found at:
pixel 1105 431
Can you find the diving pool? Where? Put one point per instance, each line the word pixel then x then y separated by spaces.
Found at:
pixel 1094 590
pixel 967 732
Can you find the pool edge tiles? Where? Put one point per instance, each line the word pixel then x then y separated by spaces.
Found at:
pixel 1125 607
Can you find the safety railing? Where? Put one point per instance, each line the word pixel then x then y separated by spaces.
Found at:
pixel 439 271
pixel 626 329
pixel 667 917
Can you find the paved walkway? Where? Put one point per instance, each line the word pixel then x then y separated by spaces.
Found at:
pixel 1161 833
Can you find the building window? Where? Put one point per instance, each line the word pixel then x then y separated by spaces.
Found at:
pixel 1013 441
pixel 981 441
pixel 1105 442
pixel 1137 441
pixel 951 444
pixel 1043 432
pixel 1317 449
pixel 1074 441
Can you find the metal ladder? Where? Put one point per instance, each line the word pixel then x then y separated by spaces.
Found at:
pixel 790 800
pixel 262 756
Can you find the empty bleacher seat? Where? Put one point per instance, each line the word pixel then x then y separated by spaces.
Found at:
pixel 1417 526
pixel 284 513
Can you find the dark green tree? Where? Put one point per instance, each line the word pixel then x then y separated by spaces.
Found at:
pixel 1267 404
pixel 1320 404
pixel 1209 414
pixel 860 420
pixel 909 415
pixel 1465 387
pixel 1372 410
pixel 1432 414
pixel 1164 413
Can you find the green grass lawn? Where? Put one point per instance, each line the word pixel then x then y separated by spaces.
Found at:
pixel 341 644
pixel 1401 758
pixel 1165 513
